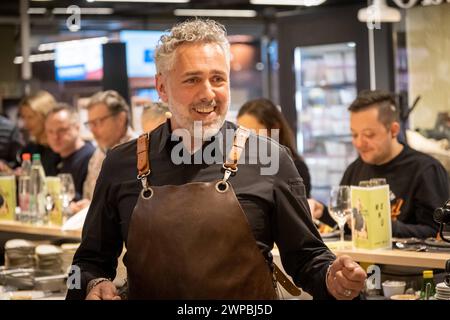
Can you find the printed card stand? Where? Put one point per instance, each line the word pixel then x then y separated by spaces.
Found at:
pixel 7 197
pixel 371 217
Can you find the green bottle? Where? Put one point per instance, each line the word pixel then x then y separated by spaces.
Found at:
pixel 428 278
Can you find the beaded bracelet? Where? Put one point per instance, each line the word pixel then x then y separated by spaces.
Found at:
pixel 326 276
pixel 95 282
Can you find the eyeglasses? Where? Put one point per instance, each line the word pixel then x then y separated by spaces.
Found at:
pixel 99 121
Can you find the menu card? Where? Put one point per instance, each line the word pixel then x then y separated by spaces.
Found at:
pixel 371 217
pixel 7 197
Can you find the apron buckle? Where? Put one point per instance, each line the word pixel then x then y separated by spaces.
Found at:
pixel 143 178
pixel 228 172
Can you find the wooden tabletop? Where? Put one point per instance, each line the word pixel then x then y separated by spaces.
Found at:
pixel 387 256
pixel 392 256
pixel 40 230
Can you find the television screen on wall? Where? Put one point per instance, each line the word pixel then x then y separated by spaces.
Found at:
pixel 140 49
pixel 149 93
pixel 79 60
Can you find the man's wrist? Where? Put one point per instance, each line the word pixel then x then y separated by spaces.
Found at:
pixel 95 282
pixel 327 283
pixel 326 275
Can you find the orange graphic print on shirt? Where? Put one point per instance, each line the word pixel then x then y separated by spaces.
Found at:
pixel 396 208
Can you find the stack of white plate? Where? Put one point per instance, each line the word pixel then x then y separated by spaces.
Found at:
pixel 442 291
pixel 49 258
pixel 23 295
pixel 68 251
pixel 19 253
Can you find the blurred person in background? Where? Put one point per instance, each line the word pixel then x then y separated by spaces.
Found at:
pixel 62 127
pixel 418 183
pixel 33 110
pixel 110 122
pixel 153 115
pixel 262 115
pixel 10 145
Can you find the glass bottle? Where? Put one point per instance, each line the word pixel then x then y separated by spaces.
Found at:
pixel 26 164
pixel 24 189
pixel 428 286
pixel 38 191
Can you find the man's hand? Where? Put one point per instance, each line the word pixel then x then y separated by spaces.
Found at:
pixel 105 290
pixel 79 205
pixel 346 278
pixel 316 208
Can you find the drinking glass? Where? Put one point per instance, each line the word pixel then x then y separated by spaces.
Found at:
pixel 364 183
pixel 377 182
pixel 340 206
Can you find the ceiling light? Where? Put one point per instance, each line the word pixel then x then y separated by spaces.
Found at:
pixel 215 13
pixel 84 11
pixel 36 58
pixel 307 3
pixel 379 11
pixel 243 38
pixel 52 45
pixel 37 10
pixel 162 1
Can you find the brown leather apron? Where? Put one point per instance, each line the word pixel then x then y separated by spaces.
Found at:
pixel 193 241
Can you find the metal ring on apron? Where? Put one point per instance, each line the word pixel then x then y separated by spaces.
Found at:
pixel 147 193
pixel 222 186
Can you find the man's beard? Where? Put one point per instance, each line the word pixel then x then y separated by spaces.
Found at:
pixel 198 129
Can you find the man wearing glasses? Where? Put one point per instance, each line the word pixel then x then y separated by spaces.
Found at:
pixel 109 122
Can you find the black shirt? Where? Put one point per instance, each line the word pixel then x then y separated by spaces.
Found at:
pixel 49 159
pixel 418 184
pixel 302 169
pixel 275 206
pixel 77 165
pixel 10 142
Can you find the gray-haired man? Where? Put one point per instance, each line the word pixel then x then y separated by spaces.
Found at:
pixel 195 227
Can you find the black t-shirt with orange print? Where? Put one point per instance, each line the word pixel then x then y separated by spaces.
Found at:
pixel 418 184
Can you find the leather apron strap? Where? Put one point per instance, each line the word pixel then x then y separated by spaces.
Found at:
pixel 143 163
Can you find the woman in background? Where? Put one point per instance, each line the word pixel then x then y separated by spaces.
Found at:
pixel 262 116
pixel 33 110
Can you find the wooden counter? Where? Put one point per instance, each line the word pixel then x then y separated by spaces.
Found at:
pixel 393 257
pixel 387 256
pixel 28 229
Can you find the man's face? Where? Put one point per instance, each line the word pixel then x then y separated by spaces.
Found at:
pixel 373 141
pixel 107 128
pixel 61 133
pixel 197 87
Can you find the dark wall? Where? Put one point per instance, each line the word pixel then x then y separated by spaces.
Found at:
pixel 8 70
pixel 326 26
